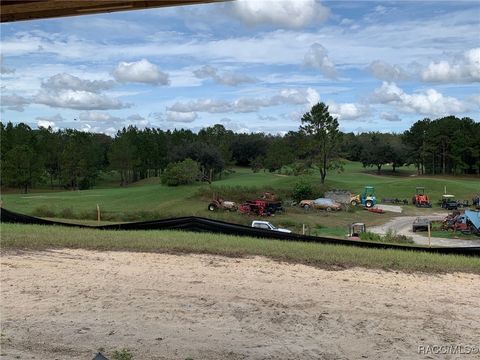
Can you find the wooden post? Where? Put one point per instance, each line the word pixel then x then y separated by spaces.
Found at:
pixel 429 234
pixel 303 229
pixel 98 214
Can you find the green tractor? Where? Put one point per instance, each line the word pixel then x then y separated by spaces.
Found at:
pixel 367 198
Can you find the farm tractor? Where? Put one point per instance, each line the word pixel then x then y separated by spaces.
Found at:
pixel 367 198
pixel 421 199
pixel 266 205
pixel 221 204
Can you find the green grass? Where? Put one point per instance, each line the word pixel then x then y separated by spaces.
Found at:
pixel 148 199
pixel 36 237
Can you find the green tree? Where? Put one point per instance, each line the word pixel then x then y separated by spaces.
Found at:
pixel 376 152
pixel 322 128
pixel 181 173
pixel 21 168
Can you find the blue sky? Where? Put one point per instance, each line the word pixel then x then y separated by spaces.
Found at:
pixel 250 65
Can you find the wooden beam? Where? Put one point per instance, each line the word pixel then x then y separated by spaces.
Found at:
pixel 18 10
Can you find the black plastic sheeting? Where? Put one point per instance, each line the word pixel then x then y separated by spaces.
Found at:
pixel 199 224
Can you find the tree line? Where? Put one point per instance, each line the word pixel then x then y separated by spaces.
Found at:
pixel 73 159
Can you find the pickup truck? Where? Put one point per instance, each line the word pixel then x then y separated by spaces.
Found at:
pixel 267 226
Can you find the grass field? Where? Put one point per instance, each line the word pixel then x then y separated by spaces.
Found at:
pixel 148 199
pixel 35 237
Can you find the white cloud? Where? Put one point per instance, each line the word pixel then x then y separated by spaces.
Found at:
pixel 45 124
pixel 70 82
pixel 235 126
pixel 248 104
pixel 68 91
pixel 428 102
pixel 184 117
pixel 14 102
pixel 465 69
pixel 51 121
pixel 384 71
pixel 347 111
pixel 317 57
pixel 142 71
pixel 97 116
pixel 5 69
pixel 79 100
pixel 288 13
pixel 202 105
pixel 390 117
pixel 224 78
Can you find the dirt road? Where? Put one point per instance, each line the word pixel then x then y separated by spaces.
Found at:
pixel 403 226
pixel 68 304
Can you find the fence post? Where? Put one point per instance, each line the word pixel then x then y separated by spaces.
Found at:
pixel 429 234
pixel 98 214
pixel 303 229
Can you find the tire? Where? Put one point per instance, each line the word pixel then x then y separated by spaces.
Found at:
pixel 212 207
pixel 306 207
pixel 369 204
pixel 353 203
pixel 328 209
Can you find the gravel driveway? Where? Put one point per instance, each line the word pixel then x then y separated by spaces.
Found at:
pixel 403 226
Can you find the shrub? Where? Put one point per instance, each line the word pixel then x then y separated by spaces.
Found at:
pixel 302 190
pixel 181 173
pixel 44 211
pixel 123 354
pixel 67 213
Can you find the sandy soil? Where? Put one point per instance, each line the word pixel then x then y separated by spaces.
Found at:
pixel 68 304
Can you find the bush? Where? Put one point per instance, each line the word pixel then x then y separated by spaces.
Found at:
pixel 123 354
pixel 302 190
pixel 181 173
pixel 44 211
pixel 390 237
pixel 67 213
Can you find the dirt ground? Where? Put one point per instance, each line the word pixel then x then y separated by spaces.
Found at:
pixel 67 304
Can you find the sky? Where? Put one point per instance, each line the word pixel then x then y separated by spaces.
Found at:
pixel 251 65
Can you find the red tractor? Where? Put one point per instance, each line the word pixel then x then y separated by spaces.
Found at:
pixel 421 199
pixel 256 207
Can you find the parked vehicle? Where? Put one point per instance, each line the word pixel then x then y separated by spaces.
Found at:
pixel 420 224
pixel 221 204
pixel 268 226
pixel 367 198
pixel 448 202
pixel 321 203
pixel 421 199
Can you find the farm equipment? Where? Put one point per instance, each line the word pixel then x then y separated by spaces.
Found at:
pixel 421 199
pixel 467 223
pixel 367 198
pixel 355 230
pixel 476 202
pixel 420 224
pixel 264 206
pixel 221 204
pixel 448 202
